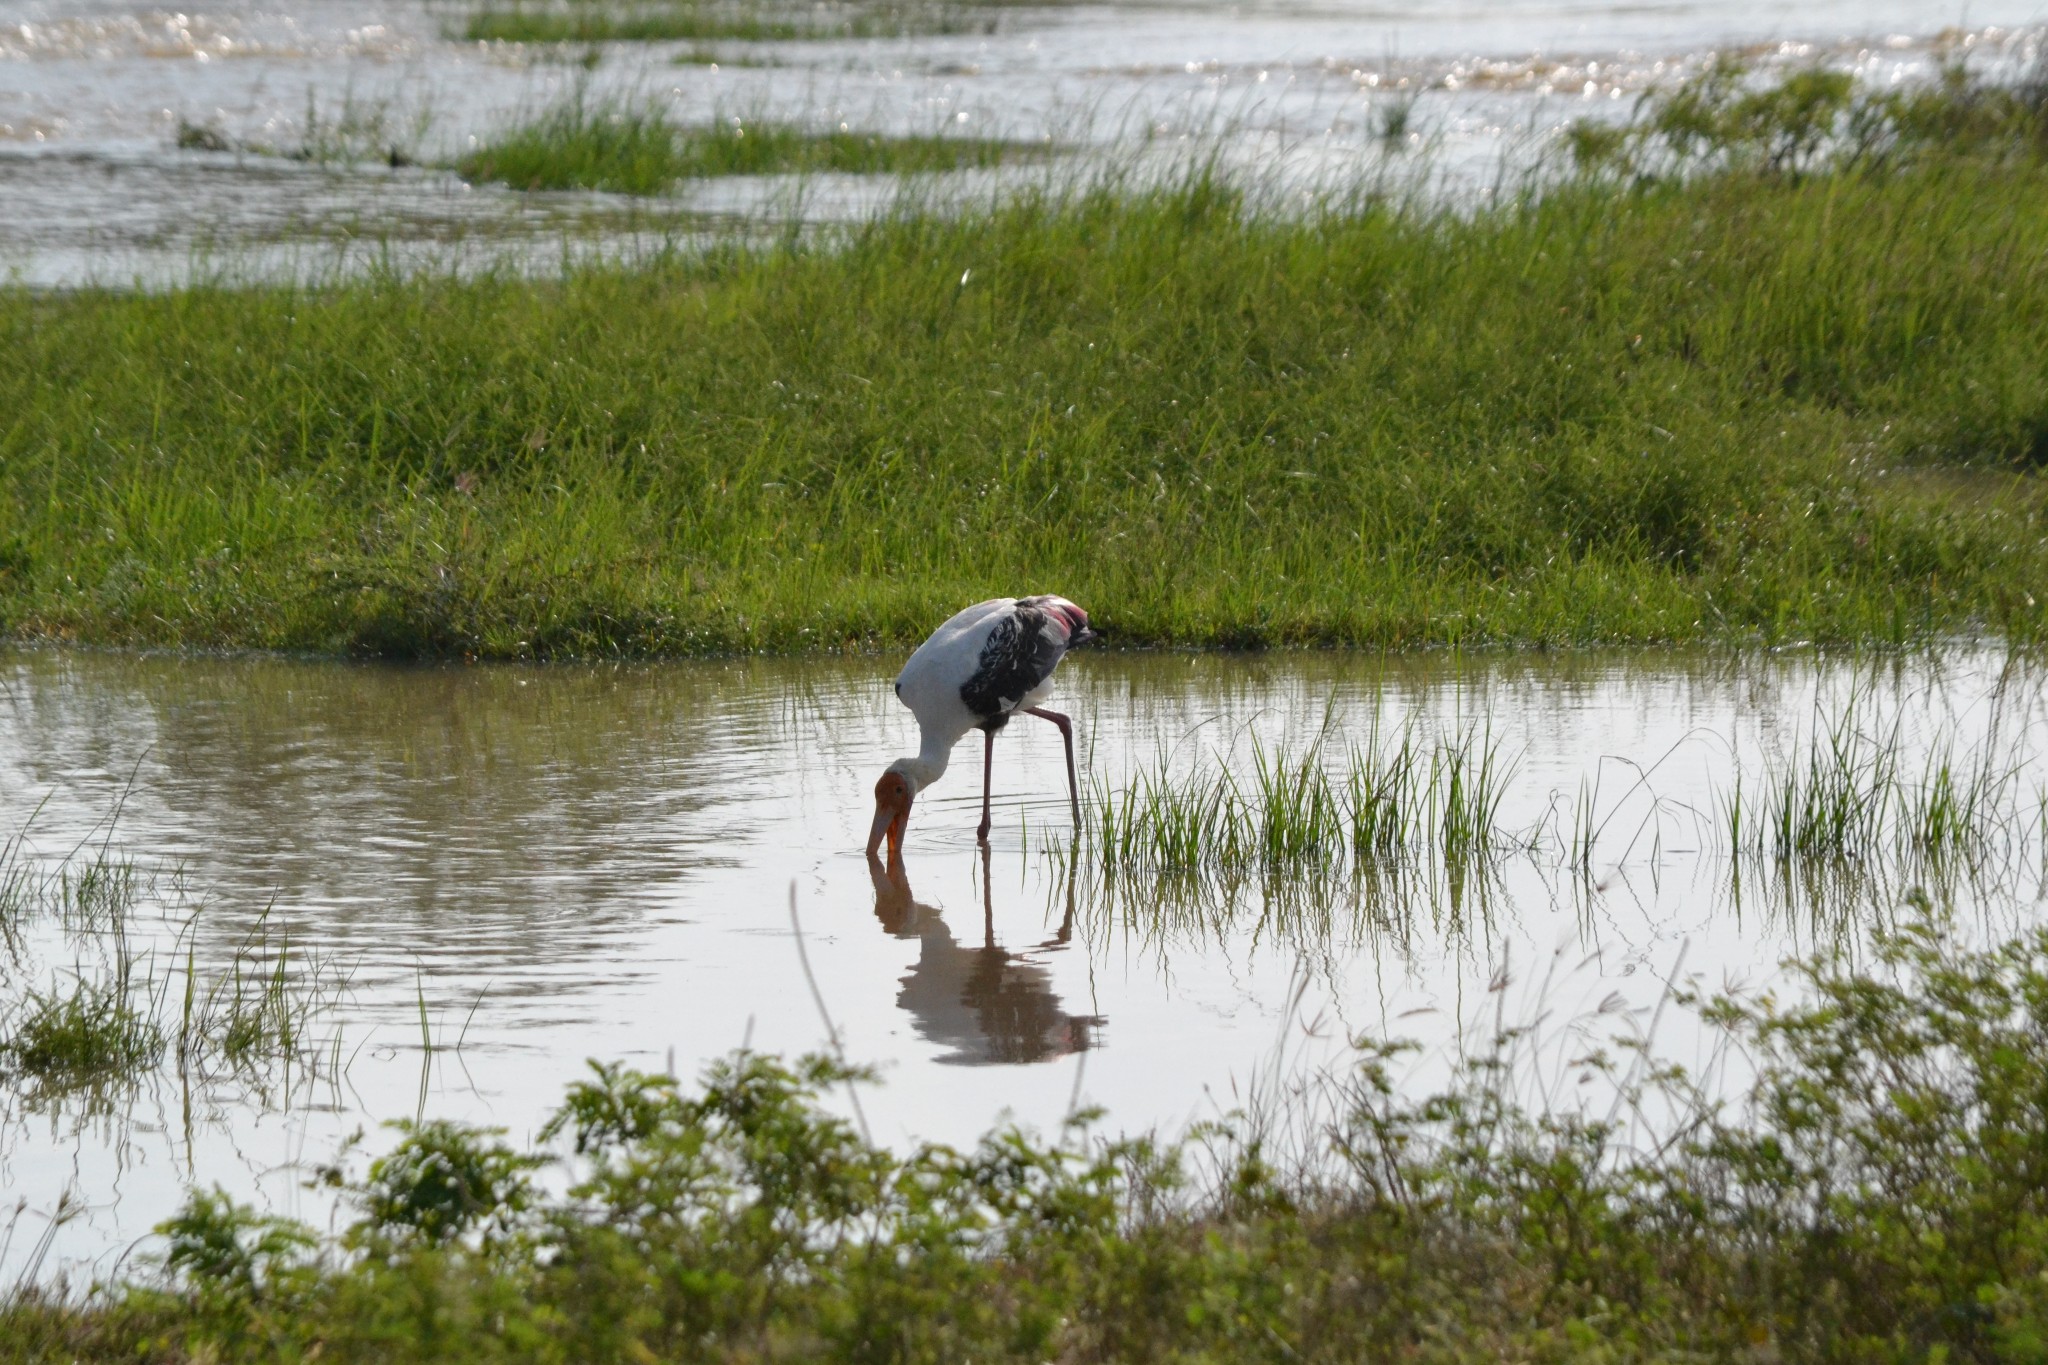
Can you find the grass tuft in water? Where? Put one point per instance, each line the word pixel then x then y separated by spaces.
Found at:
pixel 360 131
pixel 260 1014
pixel 597 21
pixel 1291 814
pixel 91 1035
pixel 634 147
pixel 1846 795
pixel 266 1008
pixel 1814 119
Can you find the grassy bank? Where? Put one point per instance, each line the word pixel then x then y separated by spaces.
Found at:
pixel 1878 1195
pixel 1749 404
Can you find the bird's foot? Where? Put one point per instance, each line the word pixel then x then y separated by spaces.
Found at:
pixel 981 833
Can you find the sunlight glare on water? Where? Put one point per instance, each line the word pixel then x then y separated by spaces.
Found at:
pixel 540 865
pixel 301 104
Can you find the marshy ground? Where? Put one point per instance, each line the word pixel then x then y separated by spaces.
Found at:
pixel 1751 409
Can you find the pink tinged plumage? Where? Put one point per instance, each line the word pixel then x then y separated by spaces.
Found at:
pixel 980 667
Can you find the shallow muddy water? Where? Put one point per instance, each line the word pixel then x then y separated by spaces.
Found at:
pixel 482 877
pixel 94 94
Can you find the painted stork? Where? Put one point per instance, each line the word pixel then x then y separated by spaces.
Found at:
pixel 978 669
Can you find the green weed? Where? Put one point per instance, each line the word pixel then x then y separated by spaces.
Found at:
pixel 589 21
pixel 93 1034
pixel 636 148
pixel 1811 119
pixel 1291 814
pixel 359 131
pixel 260 1018
pixel 1846 795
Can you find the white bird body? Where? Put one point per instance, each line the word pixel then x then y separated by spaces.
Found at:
pixel 981 666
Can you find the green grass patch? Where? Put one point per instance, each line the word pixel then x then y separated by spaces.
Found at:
pixel 1875 1192
pixel 1745 405
pixel 252 1022
pixel 91 1034
pixel 1282 813
pixel 637 148
pixel 590 21
pixel 711 56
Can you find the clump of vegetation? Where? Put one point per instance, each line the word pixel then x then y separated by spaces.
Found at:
pixel 94 1034
pixel 595 21
pixel 1738 406
pixel 260 1017
pixel 1291 813
pixel 1847 794
pixel 360 131
pixel 265 1009
pixel 638 148
pixel 1877 1195
pixel 1726 119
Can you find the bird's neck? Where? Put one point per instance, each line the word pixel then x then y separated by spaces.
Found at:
pixel 930 763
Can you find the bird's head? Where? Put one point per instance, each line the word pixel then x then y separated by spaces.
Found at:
pixel 892 811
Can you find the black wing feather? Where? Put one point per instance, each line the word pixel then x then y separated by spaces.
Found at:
pixel 1019 654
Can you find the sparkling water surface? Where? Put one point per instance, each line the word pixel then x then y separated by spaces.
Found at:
pixel 94 93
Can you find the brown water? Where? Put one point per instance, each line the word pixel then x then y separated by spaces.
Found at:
pixel 93 94
pixel 555 864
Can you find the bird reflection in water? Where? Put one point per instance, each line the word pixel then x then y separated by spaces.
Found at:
pixel 987 1005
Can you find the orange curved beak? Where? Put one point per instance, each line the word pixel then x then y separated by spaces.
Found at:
pixel 890 821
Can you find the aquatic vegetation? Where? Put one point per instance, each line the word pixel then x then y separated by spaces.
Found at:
pixel 1291 814
pixel 1846 794
pixel 1404 832
pixel 95 1033
pixel 635 147
pixel 127 1002
pixel 599 21
pixel 1874 1195
pixel 1813 119
pixel 263 1010
pixel 358 131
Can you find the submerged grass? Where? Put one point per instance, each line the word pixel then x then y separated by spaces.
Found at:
pixel 1403 828
pixel 1848 794
pixel 135 995
pixel 636 147
pixel 360 130
pixel 1748 405
pixel 1292 814
pixel 1876 1194
pixel 599 21
pixel 92 1034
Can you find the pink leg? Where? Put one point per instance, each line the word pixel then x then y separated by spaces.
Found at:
pixel 1067 735
pixel 988 759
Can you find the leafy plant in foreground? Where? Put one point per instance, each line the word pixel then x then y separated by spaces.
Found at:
pixel 443 1180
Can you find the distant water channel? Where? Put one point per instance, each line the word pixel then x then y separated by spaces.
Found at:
pixel 244 138
pixel 483 876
